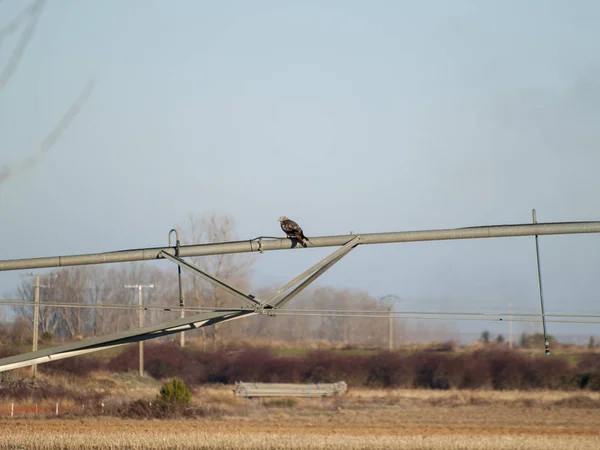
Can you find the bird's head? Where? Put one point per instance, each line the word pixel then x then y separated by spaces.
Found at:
pixel 282 218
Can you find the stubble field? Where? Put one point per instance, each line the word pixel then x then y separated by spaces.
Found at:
pixel 363 418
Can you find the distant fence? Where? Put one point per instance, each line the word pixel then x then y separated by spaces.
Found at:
pixel 45 409
pixel 316 390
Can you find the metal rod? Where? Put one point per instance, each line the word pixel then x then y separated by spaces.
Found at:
pixel 212 279
pixel 334 256
pixel 121 338
pixel 308 281
pixel 323 241
pixel 539 273
pixel 181 300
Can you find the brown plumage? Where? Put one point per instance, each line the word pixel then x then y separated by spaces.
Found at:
pixel 292 229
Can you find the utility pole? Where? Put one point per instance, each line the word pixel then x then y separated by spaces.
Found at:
pixel 36 320
pixel 390 331
pixel 390 318
pixel 36 316
pixel 139 287
pixel 510 325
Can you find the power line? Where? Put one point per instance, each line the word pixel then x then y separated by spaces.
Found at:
pixel 167 308
pixel 421 315
pixel 462 313
pixel 425 317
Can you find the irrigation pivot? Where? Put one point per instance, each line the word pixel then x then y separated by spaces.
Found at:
pixel 253 305
pixel 267 244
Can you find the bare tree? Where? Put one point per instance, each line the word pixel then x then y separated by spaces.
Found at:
pixel 233 268
pixel 68 285
pixel 48 318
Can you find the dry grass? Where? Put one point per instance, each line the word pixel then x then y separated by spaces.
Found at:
pixel 374 419
pixel 364 398
pixel 272 441
pixel 466 397
pixel 363 418
pixel 318 433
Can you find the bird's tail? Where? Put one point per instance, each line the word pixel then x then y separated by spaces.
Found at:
pixel 305 238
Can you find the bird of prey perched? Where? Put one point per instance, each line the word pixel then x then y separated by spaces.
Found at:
pixel 292 229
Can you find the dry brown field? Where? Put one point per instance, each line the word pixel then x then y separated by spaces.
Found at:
pixel 363 418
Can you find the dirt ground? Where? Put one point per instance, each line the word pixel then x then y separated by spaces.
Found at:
pixel 327 425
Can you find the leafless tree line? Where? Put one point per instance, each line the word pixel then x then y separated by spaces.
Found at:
pixel 102 285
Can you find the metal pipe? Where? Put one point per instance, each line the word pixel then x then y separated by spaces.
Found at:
pixel 120 338
pixel 181 300
pixel 539 273
pixel 323 241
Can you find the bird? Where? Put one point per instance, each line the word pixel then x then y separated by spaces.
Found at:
pixel 292 230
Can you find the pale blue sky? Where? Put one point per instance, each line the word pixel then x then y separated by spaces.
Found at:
pixel 343 115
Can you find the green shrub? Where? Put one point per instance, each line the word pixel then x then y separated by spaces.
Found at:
pixel 175 392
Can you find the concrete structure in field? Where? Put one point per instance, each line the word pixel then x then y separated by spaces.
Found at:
pixel 251 304
pixel 314 390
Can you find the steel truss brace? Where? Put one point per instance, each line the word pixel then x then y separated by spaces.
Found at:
pixel 310 275
pixel 280 298
pixel 212 279
pixel 116 339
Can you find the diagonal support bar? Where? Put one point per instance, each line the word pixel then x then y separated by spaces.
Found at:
pixel 280 298
pixel 317 266
pixel 121 338
pixel 250 299
pixel 305 283
pixel 184 324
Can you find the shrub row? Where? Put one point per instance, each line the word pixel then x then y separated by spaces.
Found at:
pixel 495 369
pixel 489 368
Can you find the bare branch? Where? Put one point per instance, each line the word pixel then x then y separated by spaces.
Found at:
pixel 13 25
pixel 51 138
pixel 21 46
